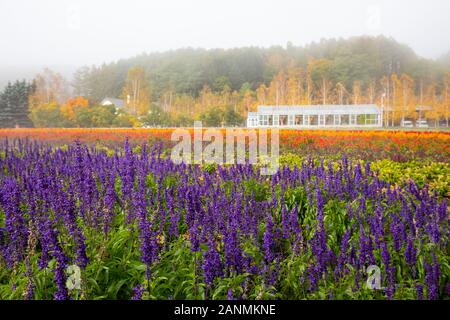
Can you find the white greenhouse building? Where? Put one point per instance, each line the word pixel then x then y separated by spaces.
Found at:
pixel 365 115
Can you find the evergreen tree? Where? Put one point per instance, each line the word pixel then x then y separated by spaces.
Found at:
pixel 14 105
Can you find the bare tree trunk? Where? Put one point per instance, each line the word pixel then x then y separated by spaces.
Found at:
pixel 388 99
pixel 393 102
pixel 137 96
pixel 324 92
pixel 371 93
pixel 421 91
pixel 309 93
pixel 277 94
pixel 404 102
pixel 445 104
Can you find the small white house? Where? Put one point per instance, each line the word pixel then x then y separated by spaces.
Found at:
pixel 118 103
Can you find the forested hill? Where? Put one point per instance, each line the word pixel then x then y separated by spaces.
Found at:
pixel 362 59
pixel 220 86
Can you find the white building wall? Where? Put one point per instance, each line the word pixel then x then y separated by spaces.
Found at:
pixel 268 116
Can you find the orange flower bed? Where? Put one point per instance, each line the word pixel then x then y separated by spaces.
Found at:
pixel 67 135
pixel 363 144
pixel 397 145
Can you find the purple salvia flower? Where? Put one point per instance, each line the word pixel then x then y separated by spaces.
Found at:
pixel 419 290
pixel 59 275
pixel 432 278
pixel 138 292
pixel 410 253
pixel 268 241
pixel 14 222
pixel 212 265
pixel 343 254
pixel 230 294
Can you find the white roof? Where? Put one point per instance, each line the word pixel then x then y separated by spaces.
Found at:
pixel 112 101
pixel 320 109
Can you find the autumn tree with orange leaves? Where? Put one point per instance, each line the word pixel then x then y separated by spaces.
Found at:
pixel 68 110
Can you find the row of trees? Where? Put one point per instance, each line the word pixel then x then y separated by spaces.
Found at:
pixel 48 103
pixel 222 86
pixel 186 71
pixel 47 110
pixel 399 94
pixel 77 112
pixel 187 83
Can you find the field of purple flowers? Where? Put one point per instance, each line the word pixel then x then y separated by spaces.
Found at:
pixel 80 223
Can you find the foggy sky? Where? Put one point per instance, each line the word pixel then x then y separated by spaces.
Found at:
pixel 78 32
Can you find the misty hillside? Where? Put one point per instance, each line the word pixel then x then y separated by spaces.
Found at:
pixel 217 86
pixel 444 60
pixel 28 72
pixel 187 70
